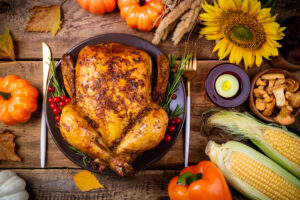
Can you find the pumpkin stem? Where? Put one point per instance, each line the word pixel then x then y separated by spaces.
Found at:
pixel 5 96
pixel 187 178
pixel 142 2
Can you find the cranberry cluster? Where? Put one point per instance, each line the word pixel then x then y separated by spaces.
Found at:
pixel 57 103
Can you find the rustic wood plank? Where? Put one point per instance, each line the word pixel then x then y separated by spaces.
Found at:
pixel 78 25
pixel 28 134
pixel 57 184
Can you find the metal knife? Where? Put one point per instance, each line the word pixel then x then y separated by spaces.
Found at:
pixel 46 62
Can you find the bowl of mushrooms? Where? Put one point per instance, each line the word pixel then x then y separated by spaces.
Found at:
pixel 275 96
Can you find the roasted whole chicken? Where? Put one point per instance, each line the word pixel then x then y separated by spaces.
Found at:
pixel 114 114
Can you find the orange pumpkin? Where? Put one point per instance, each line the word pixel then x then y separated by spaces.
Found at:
pixel 21 103
pixel 98 6
pixel 141 14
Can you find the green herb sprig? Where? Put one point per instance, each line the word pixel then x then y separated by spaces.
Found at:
pixel 55 80
pixel 85 158
pixel 174 81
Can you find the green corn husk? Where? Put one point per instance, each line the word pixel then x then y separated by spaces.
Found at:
pixel 252 173
pixel 279 144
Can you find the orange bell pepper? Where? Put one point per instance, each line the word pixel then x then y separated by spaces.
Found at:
pixel 203 181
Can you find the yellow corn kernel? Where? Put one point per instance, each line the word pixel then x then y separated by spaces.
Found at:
pixel 261 177
pixel 291 147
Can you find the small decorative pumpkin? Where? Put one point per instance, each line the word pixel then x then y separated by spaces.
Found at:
pixel 12 187
pixel 98 7
pixel 141 14
pixel 21 101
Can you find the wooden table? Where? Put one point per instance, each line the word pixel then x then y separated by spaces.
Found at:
pixel 56 181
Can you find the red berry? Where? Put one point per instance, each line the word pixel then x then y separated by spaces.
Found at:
pixel 57 124
pixel 168 138
pixel 63 98
pixel 51 100
pixel 172 121
pixel 61 104
pixel 56 111
pixel 67 100
pixel 56 99
pixel 51 89
pixel 57 118
pixel 53 105
pixel 174 69
pixel 171 128
pixel 178 120
pixel 174 96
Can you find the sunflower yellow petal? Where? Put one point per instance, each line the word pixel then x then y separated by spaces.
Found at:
pixel 222 48
pixel 264 13
pixel 245 5
pixel 214 37
pixel 228 49
pixel 255 8
pixel 220 45
pixel 248 58
pixel 238 4
pixel 238 51
pixel 259 59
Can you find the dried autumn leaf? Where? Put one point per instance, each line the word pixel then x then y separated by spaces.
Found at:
pixel 45 19
pixel 7 147
pixel 7 46
pixel 86 181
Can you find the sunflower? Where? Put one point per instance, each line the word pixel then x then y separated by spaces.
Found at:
pixel 244 30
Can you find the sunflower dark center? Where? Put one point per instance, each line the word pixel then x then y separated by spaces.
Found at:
pixel 243 30
pixel 242 33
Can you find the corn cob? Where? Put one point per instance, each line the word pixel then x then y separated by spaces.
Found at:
pixel 279 144
pixel 252 173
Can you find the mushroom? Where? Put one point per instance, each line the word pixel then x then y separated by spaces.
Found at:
pixel 258 92
pixel 272 76
pixel 261 87
pixel 270 86
pixel 268 98
pixel 279 96
pixel 260 82
pixel 279 82
pixel 288 95
pixel 295 99
pixel 292 85
pixel 260 104
pixel 285 117
pixel 269 108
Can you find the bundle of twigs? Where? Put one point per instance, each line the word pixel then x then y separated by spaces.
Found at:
pixel 185 12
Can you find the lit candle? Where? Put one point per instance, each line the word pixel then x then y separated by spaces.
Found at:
pixel 227 85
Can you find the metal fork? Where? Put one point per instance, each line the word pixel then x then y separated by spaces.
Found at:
pixel 190 71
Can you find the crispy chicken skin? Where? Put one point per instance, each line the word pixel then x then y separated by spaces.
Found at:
pixel 118 117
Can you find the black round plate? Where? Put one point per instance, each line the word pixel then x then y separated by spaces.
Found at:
pixel 147 158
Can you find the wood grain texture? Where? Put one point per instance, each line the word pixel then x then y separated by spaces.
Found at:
pixel 78 25
pixel 57 184
pixel 28 134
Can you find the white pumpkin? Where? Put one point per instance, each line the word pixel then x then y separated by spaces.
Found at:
pixel 12 187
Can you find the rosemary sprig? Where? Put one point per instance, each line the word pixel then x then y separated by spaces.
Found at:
pixel 85 158
pixel 55 80
pixel 174 80
pixel 177 111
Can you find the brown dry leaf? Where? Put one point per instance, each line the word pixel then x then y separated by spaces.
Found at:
pixel 7 147
pixel 45 19
pixel 7 46
pixel 86 181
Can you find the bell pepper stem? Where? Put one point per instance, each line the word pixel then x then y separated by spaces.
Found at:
pixel 4 95
pixel 142 2
pixel 187 178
